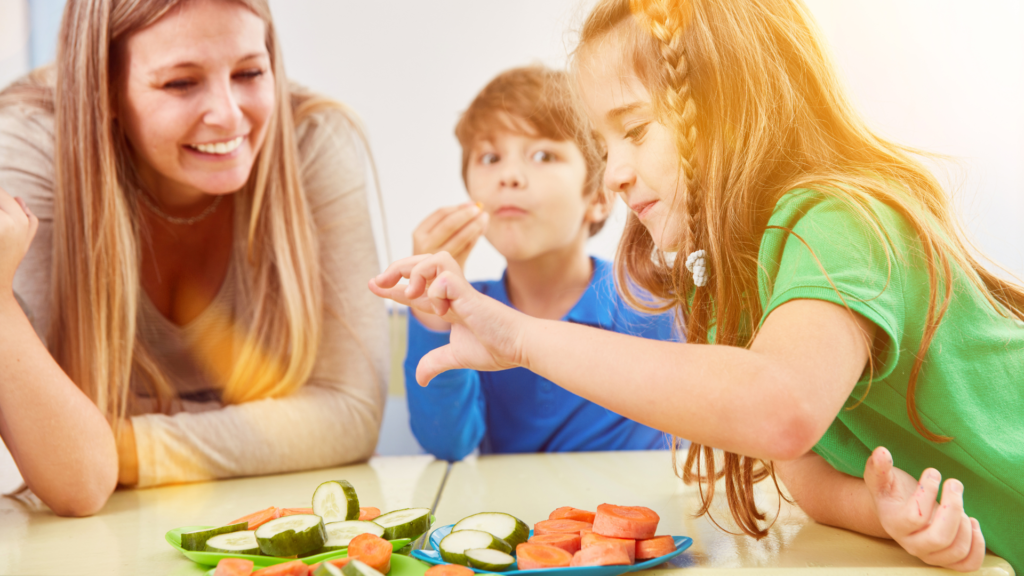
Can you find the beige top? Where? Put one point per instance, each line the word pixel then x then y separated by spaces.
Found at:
pixel 335 417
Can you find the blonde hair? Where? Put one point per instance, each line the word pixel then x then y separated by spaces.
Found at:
pixel 95 287
pixel 749 91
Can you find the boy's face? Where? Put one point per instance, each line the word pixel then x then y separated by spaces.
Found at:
pixel 532 187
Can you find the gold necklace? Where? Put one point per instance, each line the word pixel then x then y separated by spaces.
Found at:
pixel 181 221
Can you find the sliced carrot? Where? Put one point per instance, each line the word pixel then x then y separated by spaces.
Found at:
pixel 562 525
pixel 628 545
pixel 637 522
pixel 233 567
pixel 584 532
pixel 257 519
pixel 282 512
pixel 654 547
pixel 448 570
pixel 564 540
pixel 570 513
pixel 373 550
pixel 293 568
pixel 601 554
pixel 530 556
pixel 368 513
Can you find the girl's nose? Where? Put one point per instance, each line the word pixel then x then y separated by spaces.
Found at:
pixel 618 176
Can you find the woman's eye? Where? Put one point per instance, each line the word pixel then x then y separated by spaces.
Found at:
pixel 249 74
pixel 637 133
pixel 543 156
pixel 179 84
pixel 488 158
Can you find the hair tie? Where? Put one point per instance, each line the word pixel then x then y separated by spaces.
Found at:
pixel 697 264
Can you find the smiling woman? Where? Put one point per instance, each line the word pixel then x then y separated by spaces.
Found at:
pixel 190 235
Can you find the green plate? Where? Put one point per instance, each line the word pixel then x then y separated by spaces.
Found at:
pixel 400 566
pixel 173 538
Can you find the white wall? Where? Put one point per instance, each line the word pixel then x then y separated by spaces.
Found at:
pixel 14 46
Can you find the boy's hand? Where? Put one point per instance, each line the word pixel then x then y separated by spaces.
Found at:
pixel 485 334
pixel 940 534
pixel 17 228
pixel 452 229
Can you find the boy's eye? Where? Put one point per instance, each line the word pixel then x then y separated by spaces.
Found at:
pixel 637 133
pixel 543 156
pixel 488 158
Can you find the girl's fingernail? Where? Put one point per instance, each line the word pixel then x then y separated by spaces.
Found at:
pixel 956 486
pixel 975 525
pixel 934 475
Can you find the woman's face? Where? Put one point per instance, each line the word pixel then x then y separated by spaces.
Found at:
pixel 643 162
pixel 195 95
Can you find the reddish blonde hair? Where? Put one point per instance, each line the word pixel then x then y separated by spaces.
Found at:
pixel 531 100
pixel 752 98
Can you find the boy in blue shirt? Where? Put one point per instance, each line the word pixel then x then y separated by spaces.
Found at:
pixel 533 175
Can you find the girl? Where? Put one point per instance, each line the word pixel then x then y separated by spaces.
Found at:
pixel 831 304
pixel 200 234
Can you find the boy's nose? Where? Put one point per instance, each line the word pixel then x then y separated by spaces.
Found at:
pixel 513 177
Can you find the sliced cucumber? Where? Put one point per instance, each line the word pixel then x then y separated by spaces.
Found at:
pixel 504 526
pixel 196 540
pixel 407 523
pixel 336 501
pixel 339 534
pixel 359 568
pixel 487 559
pixel 453 546
pixel 243 542
pixel 327 569
pixel 291 535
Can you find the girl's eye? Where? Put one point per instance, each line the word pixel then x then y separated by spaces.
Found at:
pixel 636 134
pixel 543 156
pixel 488 158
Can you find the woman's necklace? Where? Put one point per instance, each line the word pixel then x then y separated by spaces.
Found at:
pixel 181 221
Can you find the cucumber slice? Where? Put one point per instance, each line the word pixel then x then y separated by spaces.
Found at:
pixel 339 534
pixel 487 559
pixel 407 523
pixel 504 526
pixel 453 546
pixel 359 568
pixel 327 569
pixel 336 501
pixel 291 535
pixel 243 542
pixel 196 540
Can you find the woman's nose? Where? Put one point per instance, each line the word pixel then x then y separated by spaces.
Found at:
pixel 222 109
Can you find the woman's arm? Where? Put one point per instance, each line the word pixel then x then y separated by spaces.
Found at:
pixel 773 401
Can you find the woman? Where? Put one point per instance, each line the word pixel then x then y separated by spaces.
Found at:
pixel 197 273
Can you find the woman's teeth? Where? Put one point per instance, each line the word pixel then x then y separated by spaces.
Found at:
pixel 220 147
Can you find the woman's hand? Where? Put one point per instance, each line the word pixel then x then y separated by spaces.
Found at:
pixel 17 228
pixel 485 334
pixel 939 533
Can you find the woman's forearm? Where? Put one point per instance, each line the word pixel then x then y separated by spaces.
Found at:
pixel 63 446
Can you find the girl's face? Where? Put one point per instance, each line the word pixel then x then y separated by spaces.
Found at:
pixel 195 94
pixel 643 162
pixel 532 187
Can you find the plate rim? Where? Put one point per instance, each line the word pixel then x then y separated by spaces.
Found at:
pixel 213 569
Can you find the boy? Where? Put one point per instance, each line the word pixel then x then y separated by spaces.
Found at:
pixel 533 176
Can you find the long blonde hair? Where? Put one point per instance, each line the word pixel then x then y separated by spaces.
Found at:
pixel 95 286
pixel 750 93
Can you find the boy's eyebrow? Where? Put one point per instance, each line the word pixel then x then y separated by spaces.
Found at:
pixel 617 113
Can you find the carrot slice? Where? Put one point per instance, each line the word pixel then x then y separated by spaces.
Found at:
pixel 233 567
pixel 654 547
pixel 448 570
pixel 530 556
pixel 293 568
pixel 368 513
pixel 600 554
pixel 570 513
pixel 282 512
pixel 628 545
pixel 257 519
pixel 637 522
pixel 564 540
pixel 373 550
pixel 561 525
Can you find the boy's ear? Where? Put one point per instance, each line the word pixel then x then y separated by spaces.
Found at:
pixel 601 204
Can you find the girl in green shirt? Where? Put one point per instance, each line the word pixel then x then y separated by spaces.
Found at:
pixel 831 305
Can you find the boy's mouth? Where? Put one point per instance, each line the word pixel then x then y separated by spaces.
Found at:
pixel 509 211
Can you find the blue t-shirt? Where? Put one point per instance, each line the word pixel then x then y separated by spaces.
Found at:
pixel 516 410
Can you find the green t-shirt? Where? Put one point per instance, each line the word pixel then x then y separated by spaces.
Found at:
pixel 971 386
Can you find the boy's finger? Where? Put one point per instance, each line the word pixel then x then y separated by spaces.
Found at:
pixel 436 216
pixel 454 222
pixel 976 556
pixel 468 235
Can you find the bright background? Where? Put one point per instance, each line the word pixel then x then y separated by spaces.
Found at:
pixel 942 75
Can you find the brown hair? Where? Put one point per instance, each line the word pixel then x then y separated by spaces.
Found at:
pixel 751 95
pixel 531 98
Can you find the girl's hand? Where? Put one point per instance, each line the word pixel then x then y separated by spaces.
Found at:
pixel 17 228
pixel 485 334
pixel 940 534
pixel 452 229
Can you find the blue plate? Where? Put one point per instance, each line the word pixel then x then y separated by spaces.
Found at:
pixel 432 557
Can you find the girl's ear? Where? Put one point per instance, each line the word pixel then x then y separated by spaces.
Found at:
pixel 600 207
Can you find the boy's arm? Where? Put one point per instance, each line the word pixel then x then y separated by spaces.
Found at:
pixel 447 417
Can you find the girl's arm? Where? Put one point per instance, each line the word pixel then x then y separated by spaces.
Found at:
pixel 773 401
